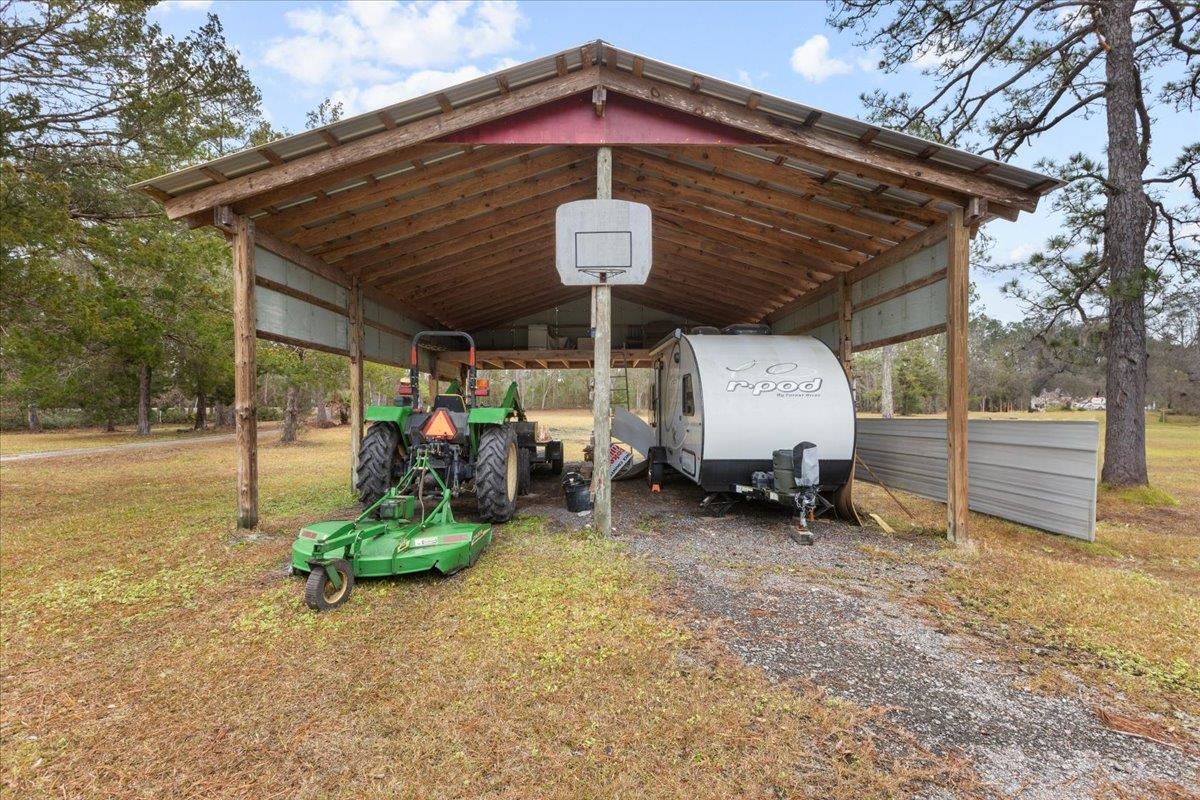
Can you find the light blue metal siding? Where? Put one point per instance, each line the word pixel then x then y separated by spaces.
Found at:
pixel 1041 474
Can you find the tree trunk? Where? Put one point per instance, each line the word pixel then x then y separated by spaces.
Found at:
pixel 201 410
pixel 290 415
pixel 885 389
pixel 1125 232
pixel 322 413
pixel 35 421
pixel 110 426
pixel 143 418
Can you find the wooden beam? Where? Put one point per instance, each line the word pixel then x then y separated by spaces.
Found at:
pixel 685 198
pixel 521 279
pixel 213 174
pixel 383 143
pixel 423 278
pixel 769 257
pixel 374 190
pixel 911 286
pixel 916 244
pixel 356 377
pixel 912 246
pixel 778 239
pixel 819 146
pixel 551 297
pixel 457 236
pixel 245 326
pixel 302 258
pixel 957 394
pixel 775 198
pixel 920 333
pixel 729 160
pixel 508 183
pixel 292 194
pixel 717 254
pixel 602 372
pixel 489 244
pixel 846 327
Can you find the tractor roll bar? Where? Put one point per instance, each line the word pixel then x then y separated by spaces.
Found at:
pixel 414 372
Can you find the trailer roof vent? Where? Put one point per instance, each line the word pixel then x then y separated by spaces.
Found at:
pixel 746 330
pixel 705 330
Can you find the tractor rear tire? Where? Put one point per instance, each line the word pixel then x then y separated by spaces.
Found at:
pixel 497 473
pixel 380 462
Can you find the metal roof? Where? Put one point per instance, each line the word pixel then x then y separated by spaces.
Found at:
pixel 572 60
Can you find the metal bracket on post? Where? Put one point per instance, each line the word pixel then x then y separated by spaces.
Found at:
pixel 225 220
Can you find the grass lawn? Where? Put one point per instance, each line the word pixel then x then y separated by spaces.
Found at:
pixel 15 442
pixel 1123 611
pixel 149 651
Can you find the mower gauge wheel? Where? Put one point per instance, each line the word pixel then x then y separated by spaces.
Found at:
pixel 319 592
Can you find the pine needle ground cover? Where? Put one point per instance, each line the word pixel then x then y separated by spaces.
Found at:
pixel 150 651
pixel 1122 612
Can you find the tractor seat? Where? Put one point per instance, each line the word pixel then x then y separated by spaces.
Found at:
pixel 450 402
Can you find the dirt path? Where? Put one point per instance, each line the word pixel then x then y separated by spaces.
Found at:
pixel 843 614
pixel 112 448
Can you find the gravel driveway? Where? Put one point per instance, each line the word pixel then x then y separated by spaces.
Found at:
pixel 843 614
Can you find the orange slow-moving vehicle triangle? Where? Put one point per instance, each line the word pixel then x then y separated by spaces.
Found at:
pixel 440 426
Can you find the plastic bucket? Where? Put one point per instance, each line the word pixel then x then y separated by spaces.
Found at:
pixel 579 496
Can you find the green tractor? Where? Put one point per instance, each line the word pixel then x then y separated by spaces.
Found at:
pixel 413 461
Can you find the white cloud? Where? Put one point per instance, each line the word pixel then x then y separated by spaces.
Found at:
pixel 1021 253
pixel 813 62
pixel 931 56
pixel 744 78
pixel 167 6
pixel 377 42
pixel 378 95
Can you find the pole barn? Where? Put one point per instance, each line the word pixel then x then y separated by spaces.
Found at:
pixel 438 212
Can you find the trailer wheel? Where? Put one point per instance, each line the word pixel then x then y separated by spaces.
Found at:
pixel 524 469
pixel 497 473
pixel 380 462
pixel 319 592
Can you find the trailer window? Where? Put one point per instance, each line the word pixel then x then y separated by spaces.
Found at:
pixel 689 399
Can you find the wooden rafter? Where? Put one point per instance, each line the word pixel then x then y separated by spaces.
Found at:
pixel 461 248
pixel 686 194
pixel 751 222
pixel 796 181
pixel 503 180
pixel 772 257
pixel 823 147
pixel 460 236
pixel 374 190
pixel 799 204
pixel 387 141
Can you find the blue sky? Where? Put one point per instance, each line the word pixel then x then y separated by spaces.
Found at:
pixel 371 54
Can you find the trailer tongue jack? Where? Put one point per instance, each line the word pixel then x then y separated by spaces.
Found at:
pixel 793 483
pixel 409 529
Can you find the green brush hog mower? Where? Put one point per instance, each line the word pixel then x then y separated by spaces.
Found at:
pixel 413 461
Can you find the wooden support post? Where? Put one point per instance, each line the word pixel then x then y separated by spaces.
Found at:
pixel 602 372
pixel 435 382
pixel 957 280
pixel 845 326
pixel 245 323
pixel 356 377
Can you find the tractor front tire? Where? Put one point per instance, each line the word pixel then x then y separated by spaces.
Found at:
pixel 497 473
pixel 380 462
pixel 319 592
